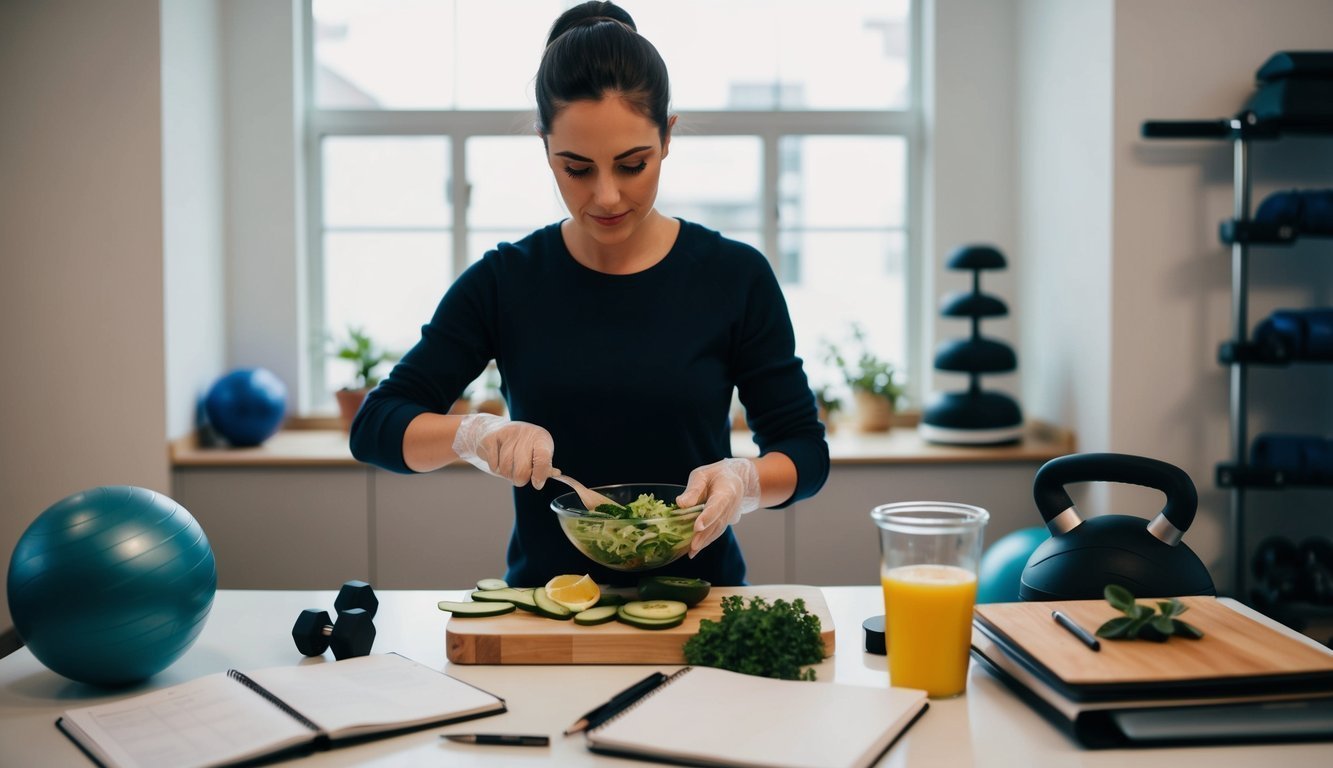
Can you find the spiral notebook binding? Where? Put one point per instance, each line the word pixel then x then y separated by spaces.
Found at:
pixel 670 679
pixel 245 680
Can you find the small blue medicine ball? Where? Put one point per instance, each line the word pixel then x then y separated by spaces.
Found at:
pixel 247 406
pixel 111 585
pixel 1003 562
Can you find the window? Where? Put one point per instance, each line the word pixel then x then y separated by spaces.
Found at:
pixel 797 134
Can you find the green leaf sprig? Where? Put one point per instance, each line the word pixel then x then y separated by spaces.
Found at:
pixel 1142 621
pixel 774 640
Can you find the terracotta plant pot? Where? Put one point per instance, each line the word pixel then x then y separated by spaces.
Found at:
pixel 349 402
pixel 873 413
pixel 827 419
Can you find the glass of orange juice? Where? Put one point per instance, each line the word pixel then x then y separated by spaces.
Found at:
pixel 929 552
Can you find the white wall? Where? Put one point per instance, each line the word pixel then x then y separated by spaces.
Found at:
pixel 970 164
pixel 266 289
pixel 194 226
pixel 81 239
pixel 1062 106
pixel 1063 141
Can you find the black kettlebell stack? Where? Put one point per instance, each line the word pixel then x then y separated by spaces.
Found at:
pixel 973 416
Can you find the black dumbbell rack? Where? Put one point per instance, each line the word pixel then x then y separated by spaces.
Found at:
pixel 1240 353
pixel 973 416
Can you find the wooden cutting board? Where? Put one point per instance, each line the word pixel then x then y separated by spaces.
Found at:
pixel 1235 649
pixel 527 638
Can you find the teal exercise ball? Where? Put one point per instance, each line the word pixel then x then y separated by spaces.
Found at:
pixel 1002 564
pixel 111 585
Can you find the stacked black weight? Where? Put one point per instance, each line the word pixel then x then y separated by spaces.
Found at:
pixel 973 416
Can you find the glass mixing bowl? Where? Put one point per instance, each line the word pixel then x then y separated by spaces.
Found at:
pixel 631 543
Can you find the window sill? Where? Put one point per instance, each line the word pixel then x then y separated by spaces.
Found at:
pixel 317 445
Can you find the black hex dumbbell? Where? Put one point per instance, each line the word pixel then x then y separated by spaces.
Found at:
pixel 356 594
pixel 351 635
pixel 1315 582
pixel 1276 567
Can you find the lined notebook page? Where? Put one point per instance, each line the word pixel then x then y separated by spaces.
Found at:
pixel 712 716
pixel 370 693
pixel 208 721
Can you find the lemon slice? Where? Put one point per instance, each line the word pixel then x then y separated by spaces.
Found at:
pixel 577 593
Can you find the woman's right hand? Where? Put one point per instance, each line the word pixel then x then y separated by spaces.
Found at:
pixel 515 450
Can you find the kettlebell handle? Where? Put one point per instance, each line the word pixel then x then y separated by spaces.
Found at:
pixel 1057 509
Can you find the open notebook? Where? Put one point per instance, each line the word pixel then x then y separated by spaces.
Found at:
pixel 232 717
pixel 712 717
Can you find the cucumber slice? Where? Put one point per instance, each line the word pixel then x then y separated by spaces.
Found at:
pixel 642 623
pixel 492 584
pixel 520 597
pixel 464 610
pixel 687 590
pixel 524 599
pixel 548 607
pixel 655 610
pixel 597 615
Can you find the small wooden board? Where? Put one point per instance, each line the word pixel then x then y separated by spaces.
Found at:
pixel 1235 649
pixel 527 638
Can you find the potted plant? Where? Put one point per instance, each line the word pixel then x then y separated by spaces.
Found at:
pixel 490 401
pixel 366 357
pixel 829 404
pixel 873 381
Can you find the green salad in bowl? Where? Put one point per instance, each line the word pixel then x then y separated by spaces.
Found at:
pixel 645 529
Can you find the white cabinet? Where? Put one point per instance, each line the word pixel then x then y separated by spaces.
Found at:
pixel 442 530
pixel 281 528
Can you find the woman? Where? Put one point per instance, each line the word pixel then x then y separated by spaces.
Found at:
pixel 619 334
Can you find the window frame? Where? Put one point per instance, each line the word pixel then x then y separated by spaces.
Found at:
pixel 769 126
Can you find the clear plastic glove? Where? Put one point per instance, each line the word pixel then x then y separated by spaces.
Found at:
pixel 515 450
pixel 729 488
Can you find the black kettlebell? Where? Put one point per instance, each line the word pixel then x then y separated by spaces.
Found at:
pixel 1083 556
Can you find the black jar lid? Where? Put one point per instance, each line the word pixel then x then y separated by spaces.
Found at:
pixel 874 635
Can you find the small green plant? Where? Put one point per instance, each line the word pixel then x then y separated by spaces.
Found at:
pixel 1142 621
pixel 364 354
pixel 865 372
pixel 827 399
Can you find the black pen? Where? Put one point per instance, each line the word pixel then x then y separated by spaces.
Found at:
pixel 509 739
pixel 617 703
pixel 1082 634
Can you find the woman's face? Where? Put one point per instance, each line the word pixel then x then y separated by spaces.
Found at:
pixel 607 159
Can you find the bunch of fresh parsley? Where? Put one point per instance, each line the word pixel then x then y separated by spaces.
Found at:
pixel 759 639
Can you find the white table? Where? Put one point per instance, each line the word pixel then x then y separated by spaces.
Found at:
pixel 251 629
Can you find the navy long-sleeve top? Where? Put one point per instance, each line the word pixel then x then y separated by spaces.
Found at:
pixel 631 374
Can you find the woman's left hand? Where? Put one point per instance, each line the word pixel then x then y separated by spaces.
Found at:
pixel 729 488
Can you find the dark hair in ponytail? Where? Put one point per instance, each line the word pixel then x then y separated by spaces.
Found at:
pixel 594 48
